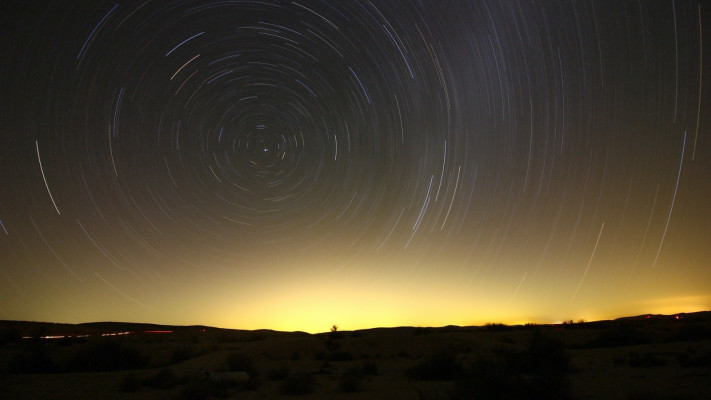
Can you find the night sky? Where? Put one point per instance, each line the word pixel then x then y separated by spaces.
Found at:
pixel 297 164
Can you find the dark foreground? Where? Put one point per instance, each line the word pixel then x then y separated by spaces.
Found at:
pixel 646 357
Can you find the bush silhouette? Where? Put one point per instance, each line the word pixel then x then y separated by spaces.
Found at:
pixel 180 354
pixel 618 337
pixel 488 379
pixel 340 355
pixel 441 366
pixel 497 327
pixel 538 372
pixel 163 379
pixel 106 354
pixel 691 359
pixel 9 335
pixel 370 368
pixel 645 360
pixel 197 389
pixel 129 383
pixel 335 334
pixel 200 388
pixel 691 332
pixel 351 380
pixel 297 384
pixel 34 360
pixel 242 362
pixel 245 362
pixel 546 354
pixel 278 374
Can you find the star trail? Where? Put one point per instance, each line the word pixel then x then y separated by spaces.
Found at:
pixel 297 164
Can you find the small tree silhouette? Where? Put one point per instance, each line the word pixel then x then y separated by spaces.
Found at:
pixel 335 334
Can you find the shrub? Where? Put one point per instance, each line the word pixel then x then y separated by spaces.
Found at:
pixel 538 372
pixel 645 360
pixel 440 366
pixel 332 345
pixel 163 379
pixel 242 362
pixel 279 373
pixel 690 359
pixel 106 354
pixel 297 384
pixel 497 327
pixel 9 335
pixel 351 381
pixel 255 337
pixel 422 331
pixel 335 334
pixel 404 354
pixel 493 379
pixel 245 362
pixel 546 354
pixel 200 388
pixel 645 395
pixel 370 368
pixel 180 354
pixel 618 337
pixel 34 361
pixel 129 383
pixel 222 387
pixel 340 356
pixel 505 339
pixel 325 368
pixel 489 379
pixel 691 332
pixel 197 389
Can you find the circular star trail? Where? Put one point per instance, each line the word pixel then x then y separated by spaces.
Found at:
pixel 425 162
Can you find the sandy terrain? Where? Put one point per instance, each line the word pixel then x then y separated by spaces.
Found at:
pixel 658 358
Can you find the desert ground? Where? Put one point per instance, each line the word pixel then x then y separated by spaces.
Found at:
pixel 645 357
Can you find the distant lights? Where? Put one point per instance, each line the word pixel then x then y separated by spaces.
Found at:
pixel 50 337
pixel 56 336
pixel 116 334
